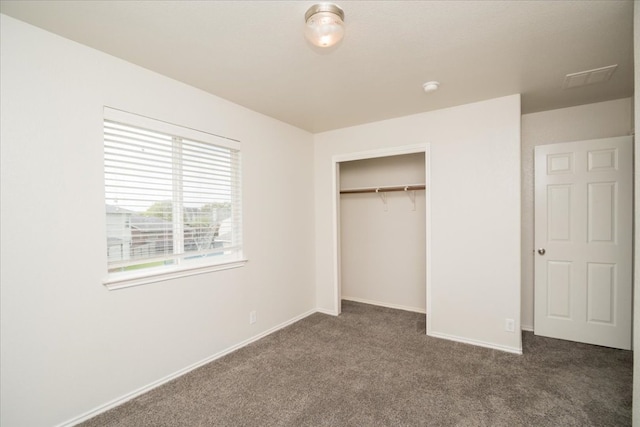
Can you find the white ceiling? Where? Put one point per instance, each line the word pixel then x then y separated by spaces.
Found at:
pixel 254 54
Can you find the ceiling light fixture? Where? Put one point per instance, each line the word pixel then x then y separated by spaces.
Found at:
pixel 324 24
pixel 431 86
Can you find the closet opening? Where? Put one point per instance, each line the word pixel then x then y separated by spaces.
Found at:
pixel 382 228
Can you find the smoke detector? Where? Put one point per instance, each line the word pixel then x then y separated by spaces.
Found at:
pixel 431 86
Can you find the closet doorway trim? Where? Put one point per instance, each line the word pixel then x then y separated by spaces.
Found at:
pixel 362 155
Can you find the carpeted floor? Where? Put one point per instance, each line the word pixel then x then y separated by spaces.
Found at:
pixel 374 366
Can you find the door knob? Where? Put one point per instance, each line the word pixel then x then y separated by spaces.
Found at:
pixel 541 251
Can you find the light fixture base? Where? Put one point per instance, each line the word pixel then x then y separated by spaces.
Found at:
pixel 324 7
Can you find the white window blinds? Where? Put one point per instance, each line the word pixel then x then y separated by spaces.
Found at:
pixel 172 197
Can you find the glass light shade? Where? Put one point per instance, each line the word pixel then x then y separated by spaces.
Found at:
pixel 324 29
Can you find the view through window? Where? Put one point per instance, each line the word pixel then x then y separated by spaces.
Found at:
pixel 171 201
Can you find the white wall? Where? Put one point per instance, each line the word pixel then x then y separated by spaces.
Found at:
pixel 374 238
pixel 475 214
pixel 68 344
pixel 585 122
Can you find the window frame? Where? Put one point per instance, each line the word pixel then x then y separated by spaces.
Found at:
pixel 118 280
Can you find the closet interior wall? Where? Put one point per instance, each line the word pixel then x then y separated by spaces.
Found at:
pixel 383 235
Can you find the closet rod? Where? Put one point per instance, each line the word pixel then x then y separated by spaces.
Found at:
pixel 383 189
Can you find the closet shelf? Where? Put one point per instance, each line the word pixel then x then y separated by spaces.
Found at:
pixel 411 187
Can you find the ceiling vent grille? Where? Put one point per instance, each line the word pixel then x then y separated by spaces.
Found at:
pixel 589 77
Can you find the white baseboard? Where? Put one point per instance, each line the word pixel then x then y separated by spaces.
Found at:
pixel 463 340
pixel 526 328
pixel 325 311
pixel 122 399
pixel 386 304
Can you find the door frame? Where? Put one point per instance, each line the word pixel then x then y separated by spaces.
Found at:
pixel 371 154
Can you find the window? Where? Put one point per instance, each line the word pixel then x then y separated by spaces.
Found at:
pixel 172 197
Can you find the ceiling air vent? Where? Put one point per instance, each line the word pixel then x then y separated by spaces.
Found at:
pixel 589 77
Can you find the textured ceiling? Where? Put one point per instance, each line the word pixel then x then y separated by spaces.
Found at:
pixel 254 54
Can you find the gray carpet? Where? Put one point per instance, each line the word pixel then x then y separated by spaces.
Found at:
pixel 374 366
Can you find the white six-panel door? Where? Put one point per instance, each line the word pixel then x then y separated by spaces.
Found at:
pixel 583 232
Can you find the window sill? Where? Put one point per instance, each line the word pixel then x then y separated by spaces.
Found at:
pixel 127 281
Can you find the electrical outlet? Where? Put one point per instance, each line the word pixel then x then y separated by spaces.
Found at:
pixel 252 317
pixel 509 325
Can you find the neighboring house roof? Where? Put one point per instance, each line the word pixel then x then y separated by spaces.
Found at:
pixel 110 209
pixel 150 223
pixel 153 223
